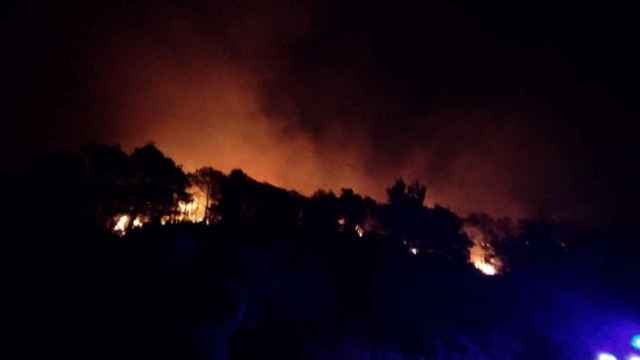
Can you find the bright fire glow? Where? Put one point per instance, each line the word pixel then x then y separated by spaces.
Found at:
pixel 414 250
pixel 194 210
pixel 137 222
pixel 360 230
pixel 486 268
pixel 121 224
pixel 480 251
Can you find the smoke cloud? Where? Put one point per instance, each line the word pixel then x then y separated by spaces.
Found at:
pixel 309 95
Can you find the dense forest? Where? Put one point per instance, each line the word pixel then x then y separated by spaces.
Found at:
pixel 123 255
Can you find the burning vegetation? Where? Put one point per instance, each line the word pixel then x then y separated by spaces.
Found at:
pixel 190 211
pixel 481 254
pixel 149 188
pixel 397 263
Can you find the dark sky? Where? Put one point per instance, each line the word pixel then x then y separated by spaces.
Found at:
pixel 514 108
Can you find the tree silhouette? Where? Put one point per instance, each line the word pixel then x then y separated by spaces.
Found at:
pixel 321 212
pixel 232 205
pixel 157 184
pixel 108 178
pixel 404 214
pixel 444 235
pixel 535 243
pixel 399 194
pixel 435 231
pixel 352 208
pixel 210 181
pixel 280 270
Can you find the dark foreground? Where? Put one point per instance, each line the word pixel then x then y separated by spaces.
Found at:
pixel 196 292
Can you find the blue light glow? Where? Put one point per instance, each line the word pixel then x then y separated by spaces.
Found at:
pixel 635 342
pixel 605 356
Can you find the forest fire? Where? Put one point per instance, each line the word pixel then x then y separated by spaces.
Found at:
pixel 187 211
pixel 480 257
pixel 137 222
pixel 122 222
pixel 481 253
pixel 485 267
pixel 194 210
pixel 321 179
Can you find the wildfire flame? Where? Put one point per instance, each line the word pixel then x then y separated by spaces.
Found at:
pixel 137 222
pixel 192 211
pixel 479 254
pixel 122 222
pixel 486 268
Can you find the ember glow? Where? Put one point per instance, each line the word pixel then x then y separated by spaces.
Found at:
pixel 122 222
pixel 137 222
pixel 485 268
pixel 480 254
pixel 192 211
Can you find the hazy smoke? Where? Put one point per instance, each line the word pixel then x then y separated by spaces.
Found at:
pixel 295 95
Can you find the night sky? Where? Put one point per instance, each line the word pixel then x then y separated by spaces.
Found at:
pixel 512 108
